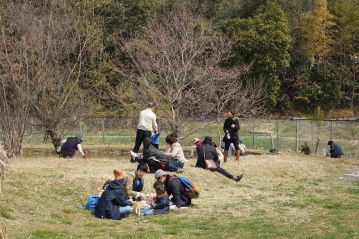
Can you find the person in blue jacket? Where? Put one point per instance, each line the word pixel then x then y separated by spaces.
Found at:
pixel 113 202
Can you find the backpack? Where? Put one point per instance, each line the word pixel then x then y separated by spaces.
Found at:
pixel 92 202
pixel 190 190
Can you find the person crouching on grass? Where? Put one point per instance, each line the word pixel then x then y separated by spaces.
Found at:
pixel 161 205
pixel 69 146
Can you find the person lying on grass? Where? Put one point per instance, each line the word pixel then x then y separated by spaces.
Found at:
pixel 174 187
pixel 155 159
pixel 113 202
pixel 205 152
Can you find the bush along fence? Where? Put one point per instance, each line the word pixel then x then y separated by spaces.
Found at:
pixel 266 134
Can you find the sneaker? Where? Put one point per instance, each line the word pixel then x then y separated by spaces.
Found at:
pixel 238 178
pixel 133 156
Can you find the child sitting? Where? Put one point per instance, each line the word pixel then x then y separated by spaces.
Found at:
pixel 161 205
pixel 138 181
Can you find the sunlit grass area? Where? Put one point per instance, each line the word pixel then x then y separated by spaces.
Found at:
pixel 280 196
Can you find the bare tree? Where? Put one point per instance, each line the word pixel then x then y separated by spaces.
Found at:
pixel 54 43
pixel 178 61
pixel 15 88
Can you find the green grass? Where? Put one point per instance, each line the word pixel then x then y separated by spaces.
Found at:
pixel 281 196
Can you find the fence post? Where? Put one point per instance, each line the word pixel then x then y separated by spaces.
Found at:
pixel 81 130
pixel 312 128
pixel 277 129
pixel 253 134
pixel 103 130
pixel 296 135
pixel 32 131
pixel 331 130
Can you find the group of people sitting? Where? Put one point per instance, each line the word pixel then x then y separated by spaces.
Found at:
pixel 120 197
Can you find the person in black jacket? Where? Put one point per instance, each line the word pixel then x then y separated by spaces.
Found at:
pixel 162 203
pixel 69 146
pixel 231 128
pixel 113 202
pixel 174 187
pixel 335 150
pixel 206 151
pixel 152 156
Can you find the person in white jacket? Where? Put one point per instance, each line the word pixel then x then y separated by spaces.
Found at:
pixel 147 125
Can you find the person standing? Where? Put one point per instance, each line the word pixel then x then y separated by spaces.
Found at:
pixel 146 125
pixel 231 128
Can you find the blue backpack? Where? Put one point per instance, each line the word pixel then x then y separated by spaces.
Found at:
pixel 92 202
pixel 190 190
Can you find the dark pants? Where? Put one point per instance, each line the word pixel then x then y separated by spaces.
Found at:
pixel 233 140
pixel 224 172
pixel 140 136
pixel 173 165
pixel 65 154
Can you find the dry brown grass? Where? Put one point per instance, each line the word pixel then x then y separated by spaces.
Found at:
pixel 287 190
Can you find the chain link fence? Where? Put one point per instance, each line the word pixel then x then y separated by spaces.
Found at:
pixel 255 133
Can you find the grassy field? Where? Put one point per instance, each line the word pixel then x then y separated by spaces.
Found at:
pixel 281 196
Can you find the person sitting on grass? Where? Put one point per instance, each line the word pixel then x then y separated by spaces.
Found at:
pixel 175 154
pixel 161 205
pixel 69 146
pixel 135 189
pixel 335 150
pixel 208 152
pixel 113 202
pixel 174 187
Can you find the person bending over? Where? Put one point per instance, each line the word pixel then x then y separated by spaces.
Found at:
pixel 69 146
pixel 146 125
pixel 174 187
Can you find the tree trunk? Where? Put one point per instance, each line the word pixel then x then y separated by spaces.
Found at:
pixel 55 139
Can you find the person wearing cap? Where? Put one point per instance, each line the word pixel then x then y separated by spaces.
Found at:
pixel 231 127
pixel 335 150
pixel 147 125
pixel 174 187
pixel 208 152
pixel 69 146
pixel 113 202
pixel 197 143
